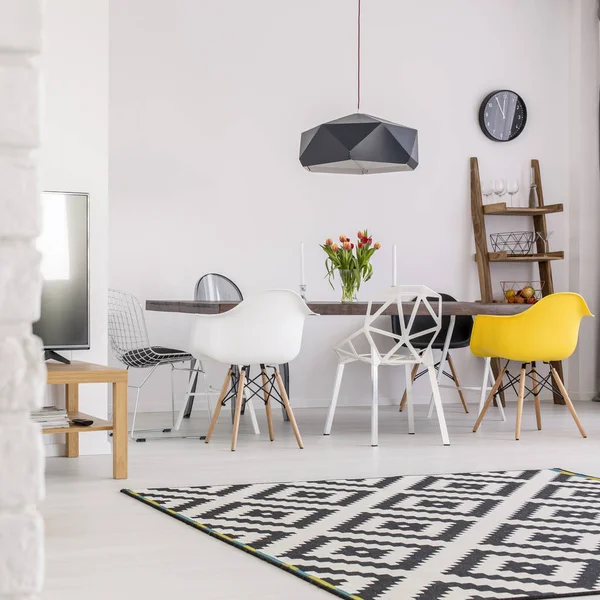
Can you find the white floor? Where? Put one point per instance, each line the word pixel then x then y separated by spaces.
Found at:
pixel 101 544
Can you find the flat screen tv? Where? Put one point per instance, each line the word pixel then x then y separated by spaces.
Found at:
pixel 64 244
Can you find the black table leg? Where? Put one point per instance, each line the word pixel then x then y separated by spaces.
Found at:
pixel 190 401
pixel 285 375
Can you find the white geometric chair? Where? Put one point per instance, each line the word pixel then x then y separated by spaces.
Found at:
pixel 265 329
pixel 401 353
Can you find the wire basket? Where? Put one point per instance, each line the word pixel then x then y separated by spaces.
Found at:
pixel 513 242
pixel 522 292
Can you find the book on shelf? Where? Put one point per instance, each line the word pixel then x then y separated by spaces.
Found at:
pixel 51 417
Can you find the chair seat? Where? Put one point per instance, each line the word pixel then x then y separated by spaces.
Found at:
pixel 438 344
pixel 154 355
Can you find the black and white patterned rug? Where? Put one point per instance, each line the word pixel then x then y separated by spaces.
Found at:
pixel 513 534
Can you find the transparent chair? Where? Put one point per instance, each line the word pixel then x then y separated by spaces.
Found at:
pixel 131 346
pixel 214 287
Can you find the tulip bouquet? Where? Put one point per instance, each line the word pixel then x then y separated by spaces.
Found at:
pixel 351 261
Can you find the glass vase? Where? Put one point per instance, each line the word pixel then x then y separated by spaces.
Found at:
pixel 350 280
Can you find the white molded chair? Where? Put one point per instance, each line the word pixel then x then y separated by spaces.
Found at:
pixel 213 287
pixel 265 329
pixel 401 352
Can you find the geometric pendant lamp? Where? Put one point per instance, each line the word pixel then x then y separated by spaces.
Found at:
pixel 359 144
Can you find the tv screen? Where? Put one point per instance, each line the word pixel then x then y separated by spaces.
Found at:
pixel 64 321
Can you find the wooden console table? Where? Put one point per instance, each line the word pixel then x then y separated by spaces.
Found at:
pixel 81 372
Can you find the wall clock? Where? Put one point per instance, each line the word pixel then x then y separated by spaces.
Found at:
pixel 502 116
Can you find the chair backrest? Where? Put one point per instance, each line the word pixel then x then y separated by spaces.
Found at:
pixel 265 328
pixel 461 334
pixel 126 323
pixel 548 331
pixel 423 298
pixel 213 287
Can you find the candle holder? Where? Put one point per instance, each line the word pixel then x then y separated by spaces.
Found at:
pixel 303 291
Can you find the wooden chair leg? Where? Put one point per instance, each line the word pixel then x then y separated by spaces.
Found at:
pixel 267 396
pixel 457 382
pixel 412 378
pixel 567 400
pixel 520 400
pixel 218 406
pixel 490 399
pixel 288 408
pixel 238 409
pixel 536 397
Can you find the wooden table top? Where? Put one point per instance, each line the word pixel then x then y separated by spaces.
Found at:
pixel 84 372
pixel 341 308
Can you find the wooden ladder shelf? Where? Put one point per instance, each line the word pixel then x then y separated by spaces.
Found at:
pixel 484 257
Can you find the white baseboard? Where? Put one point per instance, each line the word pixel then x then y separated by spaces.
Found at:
pixel 97 448
pixel 55 450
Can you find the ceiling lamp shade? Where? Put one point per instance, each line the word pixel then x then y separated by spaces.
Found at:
pixel 359 144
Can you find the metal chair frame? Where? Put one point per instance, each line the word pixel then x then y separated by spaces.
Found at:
pixel 130 343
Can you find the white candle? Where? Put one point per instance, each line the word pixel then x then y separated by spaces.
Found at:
pixel 302 277
pixel 394 268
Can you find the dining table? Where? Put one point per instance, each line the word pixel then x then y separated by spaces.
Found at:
pixel 337 308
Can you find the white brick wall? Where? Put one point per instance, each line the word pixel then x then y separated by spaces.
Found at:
pixel 22 372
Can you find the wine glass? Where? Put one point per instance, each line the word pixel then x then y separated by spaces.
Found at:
pixel 487 190
pixel 546 240
pixel 512 187
pixel 499 188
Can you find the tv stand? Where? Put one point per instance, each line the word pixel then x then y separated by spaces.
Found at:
pixel 51 355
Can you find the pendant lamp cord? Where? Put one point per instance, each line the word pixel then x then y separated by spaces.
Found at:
pixel 358 65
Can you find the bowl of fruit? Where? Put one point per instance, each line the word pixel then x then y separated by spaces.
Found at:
pixel 522 292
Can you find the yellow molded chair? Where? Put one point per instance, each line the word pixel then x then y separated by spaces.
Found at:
pixel 546 332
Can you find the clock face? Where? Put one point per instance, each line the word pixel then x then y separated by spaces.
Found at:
pixel 502 116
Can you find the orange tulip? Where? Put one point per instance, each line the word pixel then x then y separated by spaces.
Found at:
pixel 347 246
pixel 335 247
pixel 360 235
pixel 377 245
pixel 328 242
pixel 343 238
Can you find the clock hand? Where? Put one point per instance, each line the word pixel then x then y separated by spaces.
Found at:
pixel 504 103
pixel 502 111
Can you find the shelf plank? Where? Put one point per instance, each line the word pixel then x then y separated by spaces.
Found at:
pixel 98 425
pixel 505 257
pixel 500 208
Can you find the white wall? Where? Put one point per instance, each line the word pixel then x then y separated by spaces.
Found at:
pixel 207 103
pixel 22 372
pixel 74 157
pixel 584 188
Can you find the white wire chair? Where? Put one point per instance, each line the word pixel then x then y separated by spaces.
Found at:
pixel 401 353
pixel 131 346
